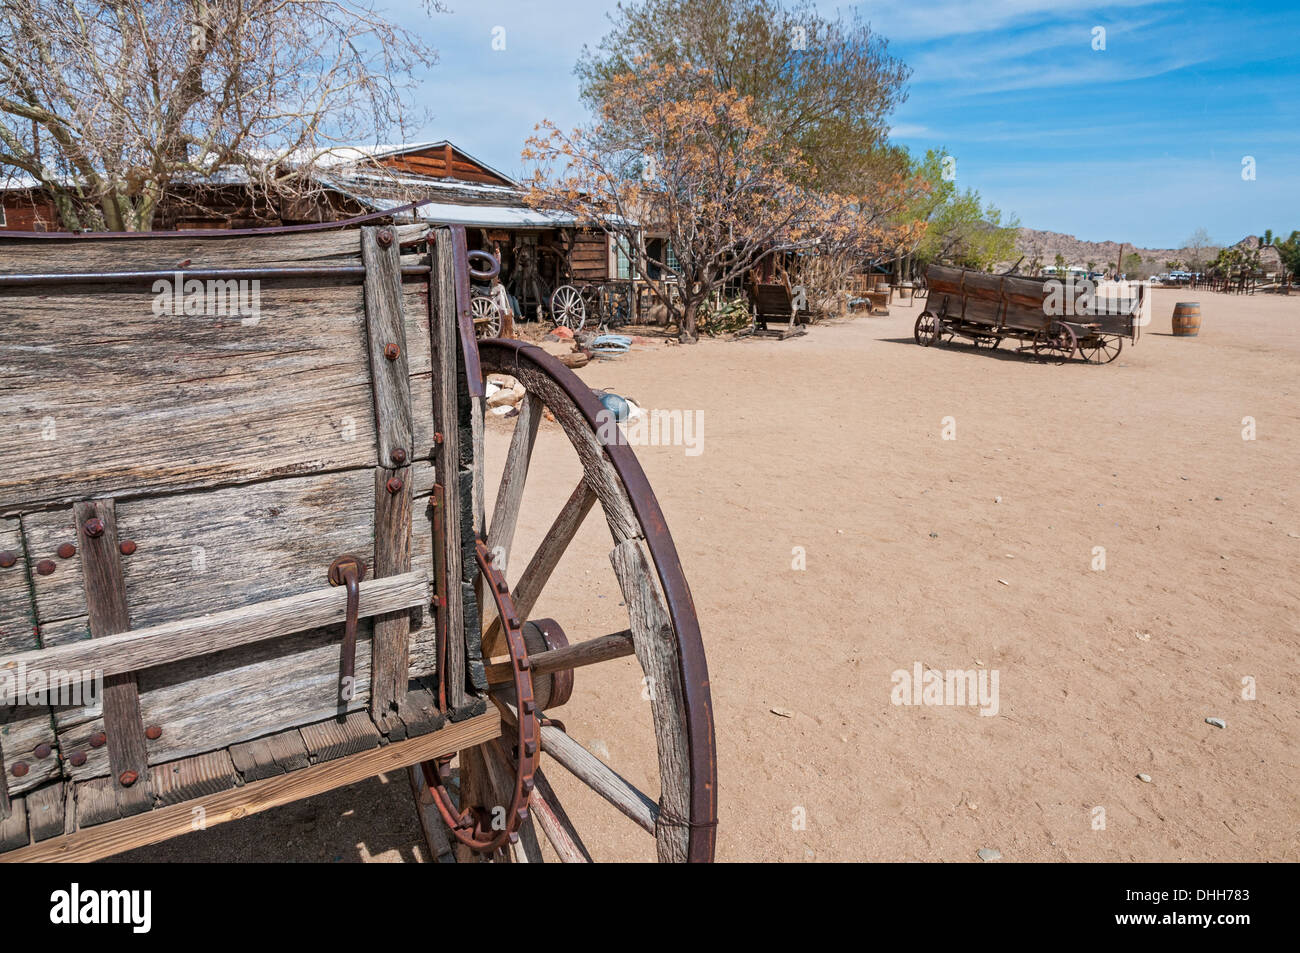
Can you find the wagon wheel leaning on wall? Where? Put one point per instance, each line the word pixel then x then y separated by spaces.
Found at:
pixel 662 632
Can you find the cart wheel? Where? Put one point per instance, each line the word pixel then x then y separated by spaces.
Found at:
pixel 1055 343
pixel 568 308
pixel 657 624
pixel 926 329
pixel 487 317
pixel 988 342
pixel 1100 349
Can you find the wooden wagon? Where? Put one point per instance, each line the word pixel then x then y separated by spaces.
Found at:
pixel 245 552
pixel 1054 319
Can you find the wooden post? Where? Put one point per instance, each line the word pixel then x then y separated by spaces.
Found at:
pixel 390 385
pixel 101 566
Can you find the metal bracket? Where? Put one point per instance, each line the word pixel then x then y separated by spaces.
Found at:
pixel 348 570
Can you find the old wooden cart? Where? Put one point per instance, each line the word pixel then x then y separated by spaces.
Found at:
pixel 1052 319
pixel 245 555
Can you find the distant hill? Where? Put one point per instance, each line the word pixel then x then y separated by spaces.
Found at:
pixel 1045 246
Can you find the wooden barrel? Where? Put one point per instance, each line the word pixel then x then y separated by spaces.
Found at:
pixel 1187 319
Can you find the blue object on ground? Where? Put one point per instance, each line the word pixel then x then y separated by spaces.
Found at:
pixel 611 344
pixel 616 405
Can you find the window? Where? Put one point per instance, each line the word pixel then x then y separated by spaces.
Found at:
pixel 3 222
pixel 622 258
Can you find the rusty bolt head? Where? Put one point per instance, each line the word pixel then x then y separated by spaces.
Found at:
pixel 94 527
pixel 19 770
pixel 7 559
pixel 153 732
pixel 45 567
pixel 66 551
pixel 97 739
pixel 392 352
pixel 42 750
pixel 128 778
pixel 384 236
pixel 77 759
pixel 399 456
pixel 437 437
pixel 394 485
pixel 126 547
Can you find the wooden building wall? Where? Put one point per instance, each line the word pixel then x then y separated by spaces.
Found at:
pixel 28 212
pixel 590 255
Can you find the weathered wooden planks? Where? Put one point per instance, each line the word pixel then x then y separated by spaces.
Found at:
pixel 119 254
pixel 267 757
pixel 339 738
pixel 237 803
pixel 187 638
pixel 101 569
pixel 17 623
pixel 45 811
pixel 200 776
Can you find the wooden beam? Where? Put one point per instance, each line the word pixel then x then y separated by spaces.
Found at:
pixel 186 638
pixel 444 335
pixel 167 822
pixel 101 570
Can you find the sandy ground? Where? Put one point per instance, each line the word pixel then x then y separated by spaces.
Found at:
pixel 833 442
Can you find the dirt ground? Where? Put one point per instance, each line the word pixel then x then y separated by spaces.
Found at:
pixel 964 554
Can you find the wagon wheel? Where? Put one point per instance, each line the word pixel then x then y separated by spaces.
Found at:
pixel 615 305
pixel 487 317
pixel 988 341
pixel 568 308
pixel 926 330
pixel 1055 343
pixel 1100 349
pixel 662 632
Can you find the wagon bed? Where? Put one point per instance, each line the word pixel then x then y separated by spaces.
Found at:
pixel 1053 319
pixel 263 526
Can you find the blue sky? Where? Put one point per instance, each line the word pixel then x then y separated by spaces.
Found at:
pixel 1141 142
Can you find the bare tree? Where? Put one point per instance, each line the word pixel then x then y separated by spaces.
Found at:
pixel 110 104
pixel 677 155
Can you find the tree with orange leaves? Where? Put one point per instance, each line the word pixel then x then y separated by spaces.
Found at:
pixel 675 154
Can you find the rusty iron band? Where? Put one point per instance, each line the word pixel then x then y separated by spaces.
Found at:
pixel 470 824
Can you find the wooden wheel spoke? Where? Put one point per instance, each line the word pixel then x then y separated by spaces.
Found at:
pixel 510 495
pixel 603 649
pixel 555 823
pixel 548 554
pixel 600 777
